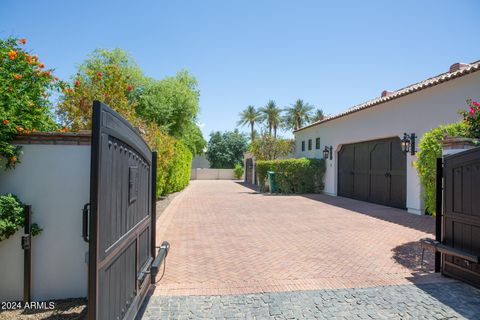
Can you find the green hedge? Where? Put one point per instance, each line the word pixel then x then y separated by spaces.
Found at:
pixel 174 175
pixel 430 149
pixel 302 175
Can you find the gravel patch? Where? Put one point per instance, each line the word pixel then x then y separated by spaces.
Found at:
pixel 52 310
pixel 164 201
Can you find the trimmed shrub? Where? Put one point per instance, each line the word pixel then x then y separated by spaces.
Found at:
pixel 12 218
pixel 238 171
pixel 430 149
pixel 302 175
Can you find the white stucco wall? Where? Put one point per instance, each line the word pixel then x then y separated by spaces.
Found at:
pixel 55 180
pixel 417 112
pixel 212 174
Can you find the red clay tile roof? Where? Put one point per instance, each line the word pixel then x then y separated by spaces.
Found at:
pixel 430 82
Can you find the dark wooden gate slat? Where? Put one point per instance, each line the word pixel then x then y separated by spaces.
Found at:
pixel 462 214
pixel 120 224
pixel 373 171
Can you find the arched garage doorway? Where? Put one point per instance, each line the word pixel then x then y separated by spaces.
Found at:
pixel 373 171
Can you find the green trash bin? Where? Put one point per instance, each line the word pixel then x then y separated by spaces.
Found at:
pixel 272 181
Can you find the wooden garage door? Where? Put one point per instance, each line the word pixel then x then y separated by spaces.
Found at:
pixel 373 171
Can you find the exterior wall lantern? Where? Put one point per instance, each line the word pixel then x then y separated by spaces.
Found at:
pixel 408 143
pixel 327 152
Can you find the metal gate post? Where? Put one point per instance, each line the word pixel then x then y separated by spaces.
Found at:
pixel 27 255
pixel 153 228
pixel 438 212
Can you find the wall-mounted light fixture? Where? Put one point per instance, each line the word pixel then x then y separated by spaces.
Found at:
pixel 408 143
pixel 327 152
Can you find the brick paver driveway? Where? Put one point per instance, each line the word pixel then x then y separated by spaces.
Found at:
pixel 235 252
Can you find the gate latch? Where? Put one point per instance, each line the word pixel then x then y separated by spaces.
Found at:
pixel 85 214
pixel 26 242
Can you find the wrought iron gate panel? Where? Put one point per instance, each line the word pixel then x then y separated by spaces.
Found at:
pixel 121 217
pixel 462 214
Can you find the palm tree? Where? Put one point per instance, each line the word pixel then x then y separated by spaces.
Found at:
pixel 250 115
pixel 272 115
pixel 318 116
pixel 297 114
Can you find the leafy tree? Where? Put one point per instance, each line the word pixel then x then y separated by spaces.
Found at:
pixel 25 87
pixel 226 149
pixel 298 114
pixel 112 77
pixel 271 148
pixel 272 115
pixel 172 103
pixel 250 116
pixel 318 116
pixel 193 139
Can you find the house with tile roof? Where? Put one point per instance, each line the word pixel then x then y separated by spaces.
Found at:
pixel 365 159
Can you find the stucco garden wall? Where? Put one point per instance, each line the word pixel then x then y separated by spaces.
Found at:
pixel 212 174
pixel 55 180
pixel 417 112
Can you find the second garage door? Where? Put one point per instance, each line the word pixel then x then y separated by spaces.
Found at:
pixel 373 171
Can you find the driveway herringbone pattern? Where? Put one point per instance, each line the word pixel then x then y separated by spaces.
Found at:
pixel 227 239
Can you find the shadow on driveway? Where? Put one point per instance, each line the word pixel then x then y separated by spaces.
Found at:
pixel 389 214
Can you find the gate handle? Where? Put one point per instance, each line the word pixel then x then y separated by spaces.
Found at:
pixel 85 212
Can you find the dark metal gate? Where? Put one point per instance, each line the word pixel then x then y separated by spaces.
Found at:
pixel 461 220
pixel 122 230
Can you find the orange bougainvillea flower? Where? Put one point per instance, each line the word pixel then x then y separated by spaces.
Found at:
pixel 41 65
pixel 77 83
pixel 19 129
pixel 130 88
pixel 47 73
pixel 23 41
pixel 13 159
pixel 12 54
pixel 18 76
pixel 99 74
pixel 6 121
pixel 56 78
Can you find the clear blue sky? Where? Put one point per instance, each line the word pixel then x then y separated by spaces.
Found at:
pixel 333 55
